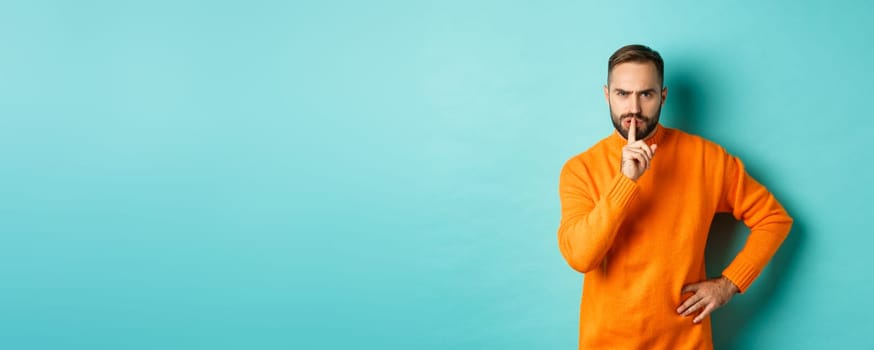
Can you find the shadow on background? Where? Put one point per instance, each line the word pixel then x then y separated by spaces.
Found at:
pixel 682 106
pixel 727 235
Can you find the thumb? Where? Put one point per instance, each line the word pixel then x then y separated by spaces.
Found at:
pixel 653 147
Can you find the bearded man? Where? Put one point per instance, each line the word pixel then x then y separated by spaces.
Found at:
pixel 636 209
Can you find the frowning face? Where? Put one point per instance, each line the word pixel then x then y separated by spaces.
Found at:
pixel 634 93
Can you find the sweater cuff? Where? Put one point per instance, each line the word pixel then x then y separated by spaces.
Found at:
pixel 623 191
pixel 741 274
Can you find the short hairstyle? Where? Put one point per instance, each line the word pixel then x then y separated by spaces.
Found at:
pixel 639 54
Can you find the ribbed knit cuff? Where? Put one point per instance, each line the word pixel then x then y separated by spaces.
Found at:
pixel 622 191
pixel 741 274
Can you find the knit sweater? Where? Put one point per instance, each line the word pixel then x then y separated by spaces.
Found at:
pixel 638 243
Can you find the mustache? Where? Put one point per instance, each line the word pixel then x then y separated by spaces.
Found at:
pixel 637 116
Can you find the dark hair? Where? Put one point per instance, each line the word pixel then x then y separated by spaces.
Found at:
pixel 639 54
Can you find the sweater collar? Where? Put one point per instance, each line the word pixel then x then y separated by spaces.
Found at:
pixel 617 139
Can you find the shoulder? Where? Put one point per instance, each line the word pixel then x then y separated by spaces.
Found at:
pixel 704 152
pixel 593 154
pixel 691 141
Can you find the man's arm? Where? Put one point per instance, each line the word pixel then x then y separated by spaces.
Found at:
pixel 769 225
pixel 768 222
pixel 588 227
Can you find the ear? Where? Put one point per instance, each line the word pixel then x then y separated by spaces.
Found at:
pixel 607 94
pixel 664 94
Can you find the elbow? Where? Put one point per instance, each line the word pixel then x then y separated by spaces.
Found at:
pixel 787 222
pixel 578 259
pixel 582 265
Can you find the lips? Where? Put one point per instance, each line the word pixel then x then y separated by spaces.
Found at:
pixel 627 122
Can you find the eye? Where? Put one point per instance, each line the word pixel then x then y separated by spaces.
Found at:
pixel 621 93
pixel 646 94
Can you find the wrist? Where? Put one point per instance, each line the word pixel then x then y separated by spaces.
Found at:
pixel 730 285
pixel 627 176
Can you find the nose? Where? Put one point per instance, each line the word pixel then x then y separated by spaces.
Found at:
pixel 635 105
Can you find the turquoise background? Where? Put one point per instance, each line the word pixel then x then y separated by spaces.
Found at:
pixel 383 175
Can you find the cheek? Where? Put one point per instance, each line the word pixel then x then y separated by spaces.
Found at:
pixel 618 106
pixel 652 108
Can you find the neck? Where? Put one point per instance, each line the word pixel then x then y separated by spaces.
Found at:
pixel 648 136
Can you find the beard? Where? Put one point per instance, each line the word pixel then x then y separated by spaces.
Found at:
pixel 649 123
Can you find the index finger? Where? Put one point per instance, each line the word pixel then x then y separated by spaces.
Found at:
pixel 632 131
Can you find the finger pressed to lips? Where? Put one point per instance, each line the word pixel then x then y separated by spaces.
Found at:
pixel 627 122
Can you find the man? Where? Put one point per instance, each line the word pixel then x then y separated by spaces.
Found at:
pixel 636 209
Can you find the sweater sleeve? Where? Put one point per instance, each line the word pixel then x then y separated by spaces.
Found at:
pixel 589 225
pixel 769 223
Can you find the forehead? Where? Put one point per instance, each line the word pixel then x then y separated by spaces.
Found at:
pixel 634 76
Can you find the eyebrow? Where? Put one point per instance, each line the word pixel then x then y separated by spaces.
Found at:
pixel 652 91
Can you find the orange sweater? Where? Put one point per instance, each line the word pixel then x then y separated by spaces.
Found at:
pixel 639 243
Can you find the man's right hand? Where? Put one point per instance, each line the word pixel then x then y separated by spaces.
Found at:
pixel 636 155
